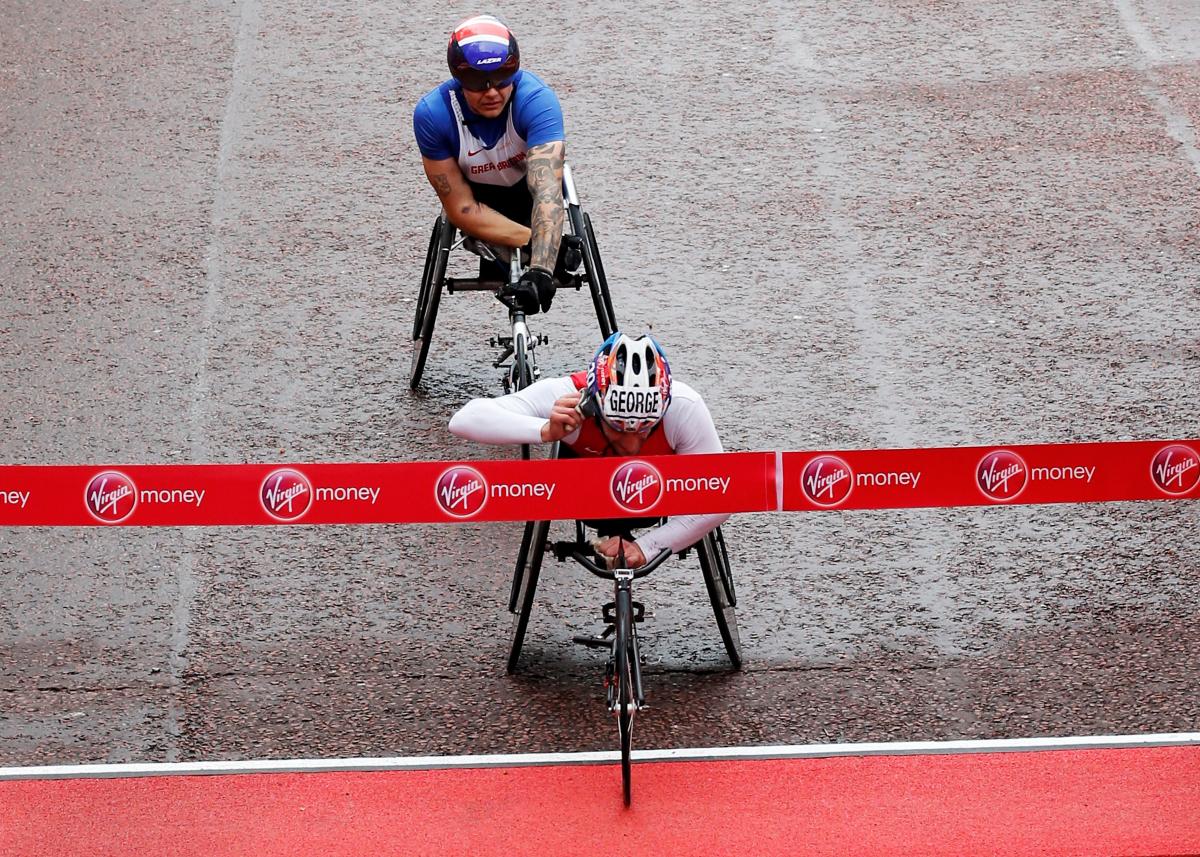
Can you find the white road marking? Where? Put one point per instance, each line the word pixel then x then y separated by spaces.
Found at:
pixel 1179 126
pixel 424 763
pixel 249 25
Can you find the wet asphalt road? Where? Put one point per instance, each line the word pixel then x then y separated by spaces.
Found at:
pixel 876 225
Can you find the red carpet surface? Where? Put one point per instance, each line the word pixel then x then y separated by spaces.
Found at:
pixel 1075 802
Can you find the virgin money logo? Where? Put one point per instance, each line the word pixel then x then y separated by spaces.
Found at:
pixel 1002 475
pixel 110 497
pixel 461 491
pixel 286 494
pixel 1175 469
pixel 636 486
pixel 827 481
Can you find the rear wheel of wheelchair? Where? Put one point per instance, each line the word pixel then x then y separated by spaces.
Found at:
pixel 592 272
pixel 522 558
pixel 600 275
pixel 524 587
pixel 429 296
pixel 725 573
pixel 718 580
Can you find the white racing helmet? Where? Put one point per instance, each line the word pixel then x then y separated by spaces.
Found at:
pixel 630 382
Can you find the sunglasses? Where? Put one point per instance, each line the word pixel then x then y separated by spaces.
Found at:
pixel 485 85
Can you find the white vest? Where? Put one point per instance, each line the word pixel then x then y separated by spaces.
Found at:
pixel 503 164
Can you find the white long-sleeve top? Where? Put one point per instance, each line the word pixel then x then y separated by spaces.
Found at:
pixel 519 418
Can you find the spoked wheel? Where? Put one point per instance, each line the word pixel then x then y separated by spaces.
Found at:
pixel 591 266
pixel 624 653
pixel 718 579
pixel 525 580
pixel 429 296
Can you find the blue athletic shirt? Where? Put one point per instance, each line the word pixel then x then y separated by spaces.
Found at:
pixel 532 117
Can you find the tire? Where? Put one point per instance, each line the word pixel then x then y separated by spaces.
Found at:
pixel 718 580
pixel 522 558
pixel 635 668
pixel 623 653
pixel 525 586
pixel 426 280
pixel 591 270
pixel 522 372
pixel 726 574
pixel 626 727
pixel 521 377
pixel 429 296
pixel 605 294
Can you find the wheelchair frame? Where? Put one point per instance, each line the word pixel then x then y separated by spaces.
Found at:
pixel 433 278
pixel 714 565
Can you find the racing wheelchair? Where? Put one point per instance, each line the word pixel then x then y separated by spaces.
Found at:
pixel 624 693
pixel 523 370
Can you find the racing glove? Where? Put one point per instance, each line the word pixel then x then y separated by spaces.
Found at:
pixel 521 295
pixel 569 258
pixel 541 283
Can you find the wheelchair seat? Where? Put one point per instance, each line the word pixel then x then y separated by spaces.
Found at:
pixel 579 242
pixel 535 541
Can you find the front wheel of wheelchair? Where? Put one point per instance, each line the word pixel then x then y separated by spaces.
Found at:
pixel 429 296
pixel 624 653
pixel 718 580
pixel 524 587
pixel 520 377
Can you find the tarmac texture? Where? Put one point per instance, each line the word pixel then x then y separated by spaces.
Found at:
pixel 878 225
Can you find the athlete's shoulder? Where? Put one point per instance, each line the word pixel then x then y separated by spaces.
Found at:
pixel 684 393
pixel 688 422
pixel 686 404
pixel 434 104
pixel 537 113
pixel 434 125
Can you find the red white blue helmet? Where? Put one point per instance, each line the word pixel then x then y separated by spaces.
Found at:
pixel 630 380
pixel 483 53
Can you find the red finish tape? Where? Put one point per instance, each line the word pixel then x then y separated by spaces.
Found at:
pixel 985 476
pixel 241 494
pixel 512 490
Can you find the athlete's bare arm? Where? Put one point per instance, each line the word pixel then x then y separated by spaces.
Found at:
pixel 544 174
pixel 471 216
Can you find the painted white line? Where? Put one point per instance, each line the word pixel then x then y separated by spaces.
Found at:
pixel 1138 32
pixel 1179 125
pixel 410 763
pixel 216 255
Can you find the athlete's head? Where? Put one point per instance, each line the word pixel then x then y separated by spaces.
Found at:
pixel 630 382
pixel 484 58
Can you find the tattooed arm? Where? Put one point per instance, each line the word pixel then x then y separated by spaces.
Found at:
pixel 472 217
pixel 544 175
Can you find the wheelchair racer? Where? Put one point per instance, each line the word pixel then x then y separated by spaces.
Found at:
pixel 492 145
pixel 626 403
